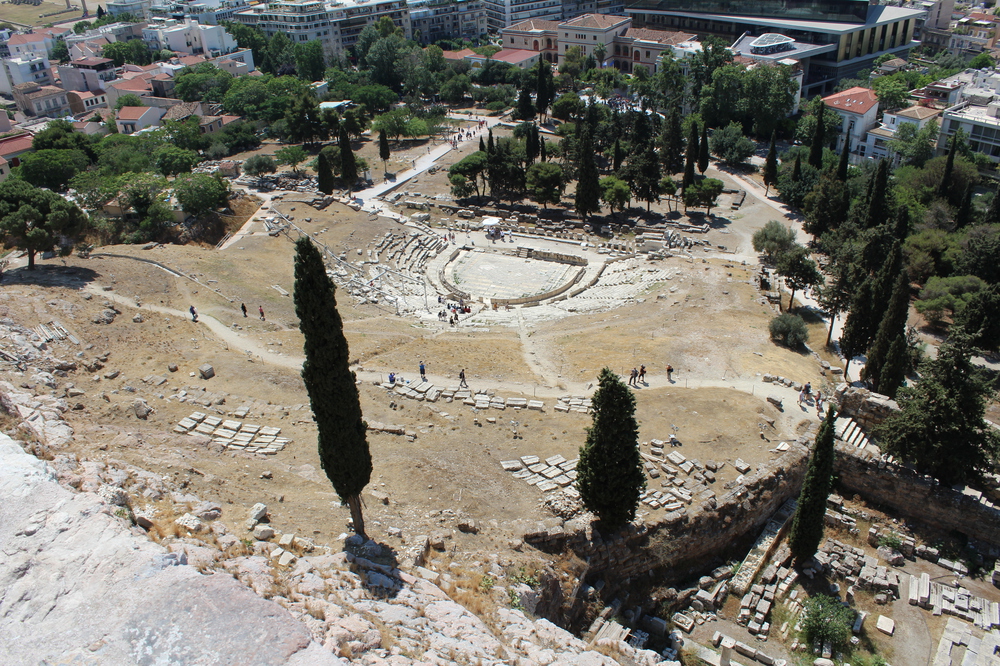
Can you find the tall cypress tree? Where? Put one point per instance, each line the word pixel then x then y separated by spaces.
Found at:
pixel 617 156
pixel 692 156
pixel 771 166
pixel 525 108
pixel 964 215
pixel 877 211
pixel 348 167
pixel 944 187
pixel 893 323
pixel 490 146
pixel 482 145
pixel 806 533
pixel 333 393
pixel 797 169
pixel 844 161
pixel 672 143
pixel 531 146
pixel 894 369
pixel 588 191
pixel 543 87
pixel 816 149
pixel 324 174
pixel 993 212
pixel 543 154
pixel 383 148
pixel 703 149
pixel 610 475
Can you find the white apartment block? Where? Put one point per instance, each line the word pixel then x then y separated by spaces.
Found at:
pixel 206 12
pixel 503 13
pixel 432 20
pixel 336 26
pixel 188 36
pixel 137 8
pixel 29 68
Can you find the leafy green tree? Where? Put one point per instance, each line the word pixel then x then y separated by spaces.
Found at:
pixel 807 524
pixel 393 123
pixel 615 192
pixel 52 168
pixel 610 475
pixel 806 130
pixel 788 329
pixel 293 156
pixel 305 121
pixel 468 174
pixel 171 160
pixel 259 165
pixel 892 94
pixel 588 194
pixel 714 54
pixel 643 175
pixel 770 166
pixel 185 133
pixel 60 51
pixel 81 27
pixel 333 392
pixel 768 98
pixel 708 191
pixel 324 173
pixel 348 165
pixel 455 89
pixel 940 427
pixel 374 98
pixel 206 82
pixel 200 193
pixel 827 620
pixel 544 181
pixel 876 211
pixel 773 240
pixel 60 134
pixel 133 52
pixel 129 99
pixel 525 108
pixel 798 270
pixel 310 62
pixel 979 253
pixel 505 170
pixel 567 107
pixel 913 146
pixel 732 147
pixel 33 219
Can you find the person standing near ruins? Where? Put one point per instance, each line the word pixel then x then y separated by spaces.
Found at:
pixel 632 377
pixel 423 372
pixel 670 372
pixel 194 314
pixel 243 306
pixel 461 379
pixel 642 374
pixel 260 308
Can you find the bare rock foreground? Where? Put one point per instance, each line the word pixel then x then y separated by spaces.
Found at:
pixel 78 587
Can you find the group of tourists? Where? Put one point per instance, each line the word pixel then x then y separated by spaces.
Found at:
pixel 498 234
pixel 806 397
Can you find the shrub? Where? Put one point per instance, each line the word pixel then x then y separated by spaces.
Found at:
pixel 789 330
pixel 827 621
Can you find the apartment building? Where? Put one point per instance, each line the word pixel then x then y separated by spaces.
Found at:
pixel 188 36
pixel 87 74
pixel 37 100
pixel 27 68
pixel 858 110
pixel 206 12
pixel 432 20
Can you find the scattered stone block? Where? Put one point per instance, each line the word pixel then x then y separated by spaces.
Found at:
pixel 258 512
pixel 886 625
pixel 206 371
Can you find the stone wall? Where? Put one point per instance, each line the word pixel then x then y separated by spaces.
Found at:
pixel 688 539
pixel 921 498
pixel 558 257
pixel 537 298
pixel 866 408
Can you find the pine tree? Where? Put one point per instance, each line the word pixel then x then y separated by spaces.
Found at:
pixel 816 149
pixel 348 167
pixel 703 149
pixel 333 394
pixel 610 474
pixel 845 155
pixel 324 174
pixel 806 533
pixel 771 166
pixel 588 191
pixel 692 156
pixel 797 169
pixel 892 324
pixel 944 187
pixel 618 156
pixel 672 143
pixel 383 148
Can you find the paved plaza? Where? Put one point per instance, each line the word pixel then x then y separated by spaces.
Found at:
pixel 489 275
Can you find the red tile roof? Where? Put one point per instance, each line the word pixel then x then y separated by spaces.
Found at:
pixel 33 38
pixel 600 21
pixel 535 24
pixel 659 36
pixel 15 145
pixel 853 100
pixel 458 55
pixel 132 112
pixel 514 56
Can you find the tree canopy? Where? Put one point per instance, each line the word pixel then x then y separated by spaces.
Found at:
pixel 35 220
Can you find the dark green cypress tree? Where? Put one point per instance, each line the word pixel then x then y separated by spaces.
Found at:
pixel 588 189
pixel 610 474
pixel 993 212
pixel 894 370
pixel 771 166
pixel 617 156
pixel 525 108
pixel 806 533
pixel 672 143
pixel 692 156
pixel 816 149
pixel 543 87
pixel 859 325
pixel 963 217
pixel 543 154
pixel 348 167
pixel 383 148
pixel 877 211
pixel 490 146
pixel 844 162
pixel 482 145
pixel 892 324
pixel 324 174
pixel 797 169
pixel 531 146
pixel 944 187
pixel 703 149
pixel 333 393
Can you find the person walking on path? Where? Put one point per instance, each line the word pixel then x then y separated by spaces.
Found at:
pixel 461 379
pixel 670 372
pixel 642 374
pixel 819 404
pixel 632 377
pixel 802 397
pixel 243 306
pixel 194 314
pixel 423 372
pixel 261 309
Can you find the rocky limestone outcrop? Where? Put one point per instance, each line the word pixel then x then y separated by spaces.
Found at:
pixel 76 586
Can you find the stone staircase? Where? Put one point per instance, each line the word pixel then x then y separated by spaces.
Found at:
pixel 849 431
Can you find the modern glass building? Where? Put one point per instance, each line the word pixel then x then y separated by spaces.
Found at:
pixel 844 11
